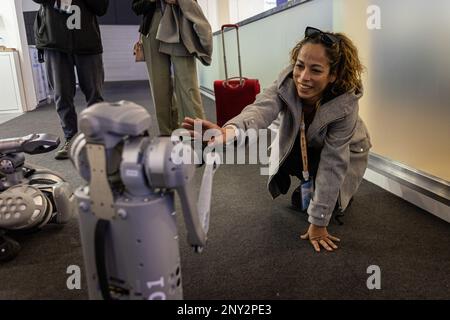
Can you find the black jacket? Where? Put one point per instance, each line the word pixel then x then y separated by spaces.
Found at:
pixel 51 31
pixel 145 8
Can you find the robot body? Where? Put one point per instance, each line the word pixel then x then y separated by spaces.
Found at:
pixel 29 197
pixel 127 214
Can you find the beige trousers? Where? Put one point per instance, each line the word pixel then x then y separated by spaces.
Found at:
pixel 174 98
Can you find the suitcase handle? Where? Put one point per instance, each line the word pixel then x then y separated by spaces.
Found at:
pixel 235 26
pixel 230 26
pixel 241 83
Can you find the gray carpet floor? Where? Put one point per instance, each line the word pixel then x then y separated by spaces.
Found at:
pixel 254 250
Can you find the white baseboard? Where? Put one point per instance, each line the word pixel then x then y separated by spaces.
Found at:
pixel 207 93
pixel 433 206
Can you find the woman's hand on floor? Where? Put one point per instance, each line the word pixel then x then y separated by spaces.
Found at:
pixel 319 236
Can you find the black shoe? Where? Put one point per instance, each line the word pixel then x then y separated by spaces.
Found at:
pixel 295 199
pixel 63 153
pixel 338 214
pixel 283 180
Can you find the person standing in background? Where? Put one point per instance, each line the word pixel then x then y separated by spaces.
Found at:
pixel 171 42
pixel 68 34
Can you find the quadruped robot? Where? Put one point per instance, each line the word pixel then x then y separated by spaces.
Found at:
pixel 127 208
pixel 30 197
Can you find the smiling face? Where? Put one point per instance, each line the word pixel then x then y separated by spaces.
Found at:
pixel 312 73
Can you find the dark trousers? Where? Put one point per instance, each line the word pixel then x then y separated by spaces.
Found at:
pixel 60 68
pixel 293 165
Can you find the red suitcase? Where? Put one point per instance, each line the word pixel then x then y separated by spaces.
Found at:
pixel 233 95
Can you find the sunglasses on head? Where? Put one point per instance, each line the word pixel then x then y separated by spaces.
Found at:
pixel 325 37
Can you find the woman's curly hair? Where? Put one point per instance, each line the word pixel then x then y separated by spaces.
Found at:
pixel 344 62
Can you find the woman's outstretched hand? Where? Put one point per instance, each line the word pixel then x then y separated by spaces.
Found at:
pixel 216 135
pixel 319 236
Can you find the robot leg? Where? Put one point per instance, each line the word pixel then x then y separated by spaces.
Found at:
pixel 135 255
pixel 59 191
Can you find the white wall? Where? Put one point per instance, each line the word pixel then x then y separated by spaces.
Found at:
pixel 9 29
pixel 12 28
pixel 118 56
pixel 29 5
pixel 241 10
pixel 211 11
pixel 221 12
pixel 266 43
pixel 216 11
pixel 407 83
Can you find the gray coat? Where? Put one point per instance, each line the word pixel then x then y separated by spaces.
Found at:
pixel 337 129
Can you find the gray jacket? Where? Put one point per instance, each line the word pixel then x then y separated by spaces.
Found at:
pixel 337 129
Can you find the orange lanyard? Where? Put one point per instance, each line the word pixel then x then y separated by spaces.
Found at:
pixel 303 148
